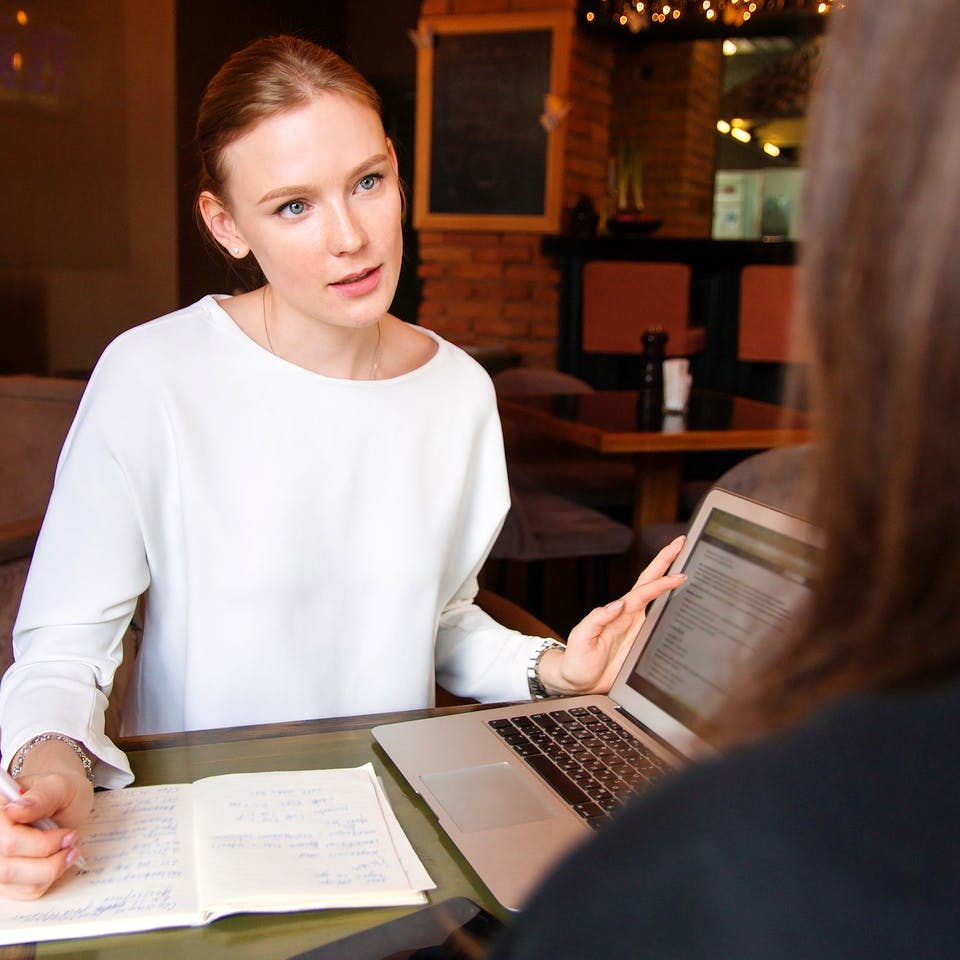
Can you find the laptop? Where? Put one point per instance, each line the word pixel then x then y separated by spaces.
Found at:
pixel 516 787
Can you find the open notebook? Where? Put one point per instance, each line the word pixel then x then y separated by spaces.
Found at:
pixel 184 854
pixel 516 787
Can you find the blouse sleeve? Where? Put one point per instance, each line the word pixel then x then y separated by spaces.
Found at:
pixel 88 570
pixel 478 657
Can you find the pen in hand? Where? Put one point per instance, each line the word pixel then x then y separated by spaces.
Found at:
pixel 12 790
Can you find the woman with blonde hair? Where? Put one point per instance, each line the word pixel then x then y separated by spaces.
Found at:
pixel 302 486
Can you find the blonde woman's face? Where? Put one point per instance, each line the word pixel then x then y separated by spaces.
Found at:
pixel 314 193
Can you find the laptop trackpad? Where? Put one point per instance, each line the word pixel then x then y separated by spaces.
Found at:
pixel 484 798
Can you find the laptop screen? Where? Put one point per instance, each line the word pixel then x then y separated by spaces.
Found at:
pixel 745 584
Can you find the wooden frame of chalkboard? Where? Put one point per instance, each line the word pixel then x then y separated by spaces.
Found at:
pixel 483 159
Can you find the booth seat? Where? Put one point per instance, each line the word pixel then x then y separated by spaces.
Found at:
pixel 35 414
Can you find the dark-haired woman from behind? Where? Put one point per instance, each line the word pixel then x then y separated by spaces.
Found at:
pixel 829 829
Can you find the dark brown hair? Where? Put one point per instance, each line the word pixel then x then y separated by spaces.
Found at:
pixel 880 291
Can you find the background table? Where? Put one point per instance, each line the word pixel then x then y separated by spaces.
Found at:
pixel 616 422
pixel 344 742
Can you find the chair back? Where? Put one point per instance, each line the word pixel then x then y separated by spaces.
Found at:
pixel 623 298
pixel 517 381
pixel 768 331
pixel 779 478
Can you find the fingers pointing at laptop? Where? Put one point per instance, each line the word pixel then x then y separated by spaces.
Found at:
pixel 597 646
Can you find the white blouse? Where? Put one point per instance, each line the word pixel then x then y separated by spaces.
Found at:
pixel 308 546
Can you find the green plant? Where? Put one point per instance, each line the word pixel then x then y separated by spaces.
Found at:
pixel 630 159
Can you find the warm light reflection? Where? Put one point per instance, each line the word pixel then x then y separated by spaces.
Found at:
pixel 772 149
pixel 17 62
pixel 723 126
pixel 590 16
pixel 738 133
pixel 22 18
pixel 729 48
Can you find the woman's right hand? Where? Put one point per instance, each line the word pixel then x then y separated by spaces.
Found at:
pixel 32 860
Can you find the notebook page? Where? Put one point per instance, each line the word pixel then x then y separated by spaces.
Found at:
pixel 415 870
pixel 138 844
pixel 296 840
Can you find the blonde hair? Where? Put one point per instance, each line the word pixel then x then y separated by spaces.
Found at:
pixel 266 78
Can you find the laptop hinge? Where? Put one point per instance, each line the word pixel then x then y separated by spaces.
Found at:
pixel 633 721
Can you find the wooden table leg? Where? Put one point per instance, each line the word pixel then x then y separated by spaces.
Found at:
pixel 657 491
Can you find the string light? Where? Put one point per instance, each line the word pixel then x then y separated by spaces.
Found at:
pixel 637 14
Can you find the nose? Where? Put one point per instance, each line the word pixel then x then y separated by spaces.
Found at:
pixel 345 232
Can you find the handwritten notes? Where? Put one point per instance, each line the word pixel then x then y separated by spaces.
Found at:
pixel 184 854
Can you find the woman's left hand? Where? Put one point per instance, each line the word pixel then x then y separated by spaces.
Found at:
pixel 599 643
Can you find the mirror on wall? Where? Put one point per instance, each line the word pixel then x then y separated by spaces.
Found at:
pixel 761 123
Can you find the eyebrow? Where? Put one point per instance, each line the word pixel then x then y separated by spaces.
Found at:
pixel 298 189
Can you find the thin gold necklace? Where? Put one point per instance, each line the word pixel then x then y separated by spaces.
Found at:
pixel 374 360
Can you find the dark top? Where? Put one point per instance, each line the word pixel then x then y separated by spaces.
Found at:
pixel 839 840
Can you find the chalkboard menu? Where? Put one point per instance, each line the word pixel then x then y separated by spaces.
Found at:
pixel 484 159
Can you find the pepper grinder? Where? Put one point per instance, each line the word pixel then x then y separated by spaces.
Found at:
pixel 650 399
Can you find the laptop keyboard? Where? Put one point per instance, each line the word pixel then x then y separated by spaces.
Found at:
pixel 587 757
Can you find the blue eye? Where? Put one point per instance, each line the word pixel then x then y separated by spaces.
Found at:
pixel 368 182
pixel 294 208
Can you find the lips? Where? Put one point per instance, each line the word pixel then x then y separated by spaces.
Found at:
pixel 357 284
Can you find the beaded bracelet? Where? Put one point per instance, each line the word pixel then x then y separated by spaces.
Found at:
pixel 82 754
pixel 537 690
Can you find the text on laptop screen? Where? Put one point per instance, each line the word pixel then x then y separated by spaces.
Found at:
pixel 745 586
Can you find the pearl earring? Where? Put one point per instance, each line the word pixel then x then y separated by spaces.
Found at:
pixel 236 251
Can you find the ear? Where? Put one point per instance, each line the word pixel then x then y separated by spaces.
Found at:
pixel 220 223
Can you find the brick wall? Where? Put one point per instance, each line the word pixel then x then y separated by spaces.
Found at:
pixel 497 287
pixel 667 96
